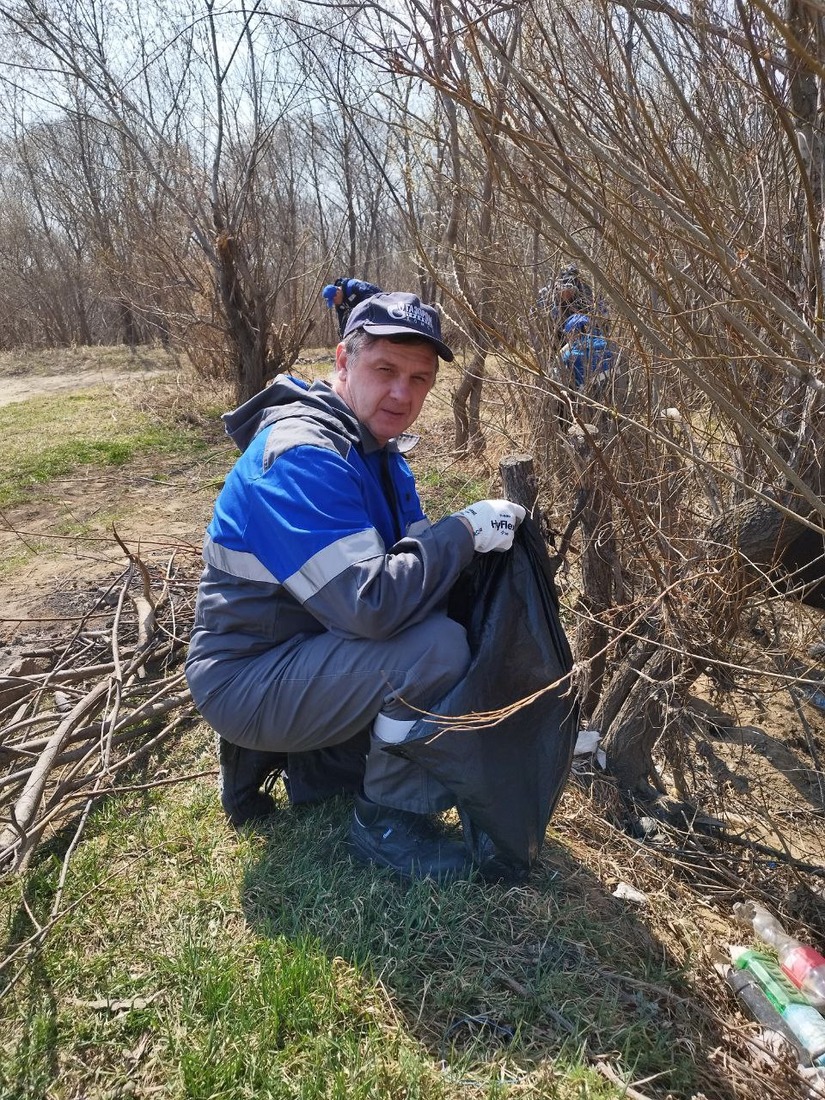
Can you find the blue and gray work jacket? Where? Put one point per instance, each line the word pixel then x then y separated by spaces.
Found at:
pixel 317 527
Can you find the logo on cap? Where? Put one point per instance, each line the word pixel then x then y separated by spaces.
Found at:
pixel 413 315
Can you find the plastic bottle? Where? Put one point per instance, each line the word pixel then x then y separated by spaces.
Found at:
pixel 801 1017
pixel 750 992
pixel 802 964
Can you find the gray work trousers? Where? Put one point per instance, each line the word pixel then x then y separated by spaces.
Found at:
pixel 321 690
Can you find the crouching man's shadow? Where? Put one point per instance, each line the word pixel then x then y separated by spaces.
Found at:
pixel 478 982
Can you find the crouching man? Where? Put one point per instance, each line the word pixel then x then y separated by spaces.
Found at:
pixel 320 624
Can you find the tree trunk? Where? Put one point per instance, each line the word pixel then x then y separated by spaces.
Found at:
pixel 128 324
pixel 755 531
pixel 599 565
pixel 518 483
pixel 640 722
pixel 244 321
pixel 467 406
pixel 83 328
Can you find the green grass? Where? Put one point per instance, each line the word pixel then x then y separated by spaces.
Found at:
pixel 444 492
pixel 47 438
pixel 269 965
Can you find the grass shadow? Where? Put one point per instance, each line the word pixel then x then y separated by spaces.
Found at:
pixel 510 984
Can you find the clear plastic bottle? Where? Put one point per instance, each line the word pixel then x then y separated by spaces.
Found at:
pixel 761 1008
pixel 802 964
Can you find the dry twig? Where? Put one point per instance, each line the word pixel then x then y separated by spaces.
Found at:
pixel 119 677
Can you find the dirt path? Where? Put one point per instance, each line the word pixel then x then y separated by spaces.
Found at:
pixel 15 388
pixel 58 546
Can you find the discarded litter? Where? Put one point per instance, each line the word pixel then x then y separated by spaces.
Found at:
pixel 586 741
pixel 804 966
pixel 800 1017
pixel 587 744
pixel 817 698
pixel 482 1023
pixel 629 893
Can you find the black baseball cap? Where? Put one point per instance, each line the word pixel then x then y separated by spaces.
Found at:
pixel 398 314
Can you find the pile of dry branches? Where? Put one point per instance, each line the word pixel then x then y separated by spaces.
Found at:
pixel 80 710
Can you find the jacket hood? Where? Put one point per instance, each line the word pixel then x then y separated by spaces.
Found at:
pixel 287 397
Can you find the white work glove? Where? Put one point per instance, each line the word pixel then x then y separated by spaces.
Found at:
pixel 493 523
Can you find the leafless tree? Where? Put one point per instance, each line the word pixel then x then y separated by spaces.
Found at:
pixel 674 156
pixel 189 113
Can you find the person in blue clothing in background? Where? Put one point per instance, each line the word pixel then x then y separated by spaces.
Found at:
pixel 345 295
pixel 587 355
pixel 320 624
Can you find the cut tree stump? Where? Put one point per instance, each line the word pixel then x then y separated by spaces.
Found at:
pixel 518 480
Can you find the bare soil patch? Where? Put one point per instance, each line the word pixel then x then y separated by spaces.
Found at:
pixel 68 370
pixel 22 388
pixel 60 540
pixel 160 518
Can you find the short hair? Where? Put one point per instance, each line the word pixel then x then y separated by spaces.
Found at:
pixel 356 341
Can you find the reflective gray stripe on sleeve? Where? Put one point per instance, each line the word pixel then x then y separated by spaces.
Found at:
pixel 236 562
pixel 332 560
pixel 418 527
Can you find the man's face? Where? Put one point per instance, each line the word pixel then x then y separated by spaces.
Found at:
pixel 339 296
pixel 386 383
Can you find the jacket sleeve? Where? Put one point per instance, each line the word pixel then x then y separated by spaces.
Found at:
pixel 309 524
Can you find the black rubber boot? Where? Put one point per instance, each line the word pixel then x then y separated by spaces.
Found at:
pixel 243 773
pixel 407 843
pixel 319 774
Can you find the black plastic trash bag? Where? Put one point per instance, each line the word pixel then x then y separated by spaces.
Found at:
pixel 507 777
